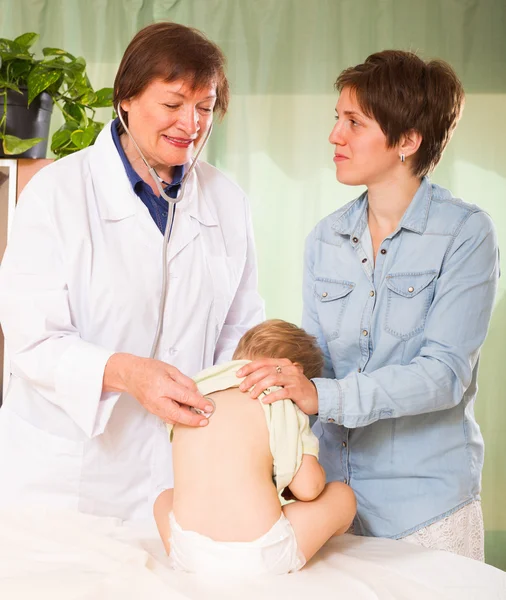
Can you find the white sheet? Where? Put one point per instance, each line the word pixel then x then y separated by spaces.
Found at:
pixel 49 555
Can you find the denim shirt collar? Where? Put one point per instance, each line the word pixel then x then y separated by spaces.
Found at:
pixel 353 220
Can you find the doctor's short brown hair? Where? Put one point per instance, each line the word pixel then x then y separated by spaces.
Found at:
pixel 403 93
pixel 279 339
pixel 170 51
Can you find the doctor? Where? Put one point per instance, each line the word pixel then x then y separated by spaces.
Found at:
pixel 82 425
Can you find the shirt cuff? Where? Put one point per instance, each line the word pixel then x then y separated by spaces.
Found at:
pixel 330 400
pixel 79 382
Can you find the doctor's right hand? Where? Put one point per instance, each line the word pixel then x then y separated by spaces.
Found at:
pixel 161 388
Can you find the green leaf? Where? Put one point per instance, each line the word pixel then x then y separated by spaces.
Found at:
pixel 9 86
pixel 10 50
pixel 59 65
pixel 18 67
pixel 88 98
pixel 27 39
pixel 70 125
pixel 80 63
pixel 39 80
pixel 104 98
pixel 76 112
pixel 53 89
pixel 15 145
pixel 60 139
pixel 57 52
pixel 83 137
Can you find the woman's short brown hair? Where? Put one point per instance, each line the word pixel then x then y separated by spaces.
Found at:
pixel 279 339
pixel 170 51
pixel 404 93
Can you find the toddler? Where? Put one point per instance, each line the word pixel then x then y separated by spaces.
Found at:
pixel 242 465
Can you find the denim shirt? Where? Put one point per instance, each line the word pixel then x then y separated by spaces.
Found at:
pixel 401 339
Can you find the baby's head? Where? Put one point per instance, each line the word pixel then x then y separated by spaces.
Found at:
pixel 278 339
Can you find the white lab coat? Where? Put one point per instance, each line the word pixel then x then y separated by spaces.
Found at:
pixel 80 280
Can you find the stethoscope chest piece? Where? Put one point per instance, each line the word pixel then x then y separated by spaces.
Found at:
pixel 207 415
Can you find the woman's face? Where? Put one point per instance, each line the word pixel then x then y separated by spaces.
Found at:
pixel 168 120
pixel 361 154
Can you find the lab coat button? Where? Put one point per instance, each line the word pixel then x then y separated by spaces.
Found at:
pixel 173 351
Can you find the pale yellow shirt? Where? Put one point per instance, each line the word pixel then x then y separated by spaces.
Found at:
pixel 290 434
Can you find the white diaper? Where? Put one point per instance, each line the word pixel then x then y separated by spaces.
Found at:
pixel 275 553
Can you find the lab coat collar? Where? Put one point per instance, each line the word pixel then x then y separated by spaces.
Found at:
pixel 198 205
pixel 116 198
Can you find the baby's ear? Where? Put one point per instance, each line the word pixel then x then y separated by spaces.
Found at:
pixel 299 366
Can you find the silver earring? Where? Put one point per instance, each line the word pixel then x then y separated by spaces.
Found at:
pixel 403 158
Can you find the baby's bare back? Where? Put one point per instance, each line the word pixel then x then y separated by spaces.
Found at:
pixel 223 472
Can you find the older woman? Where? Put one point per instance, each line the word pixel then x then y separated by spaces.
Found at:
pixel 81 282
pixel 398 289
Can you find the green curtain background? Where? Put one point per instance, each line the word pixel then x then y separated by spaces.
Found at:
pixel 283 58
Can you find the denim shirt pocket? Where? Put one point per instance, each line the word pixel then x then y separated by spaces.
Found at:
pixel 332 296
pixel 408 302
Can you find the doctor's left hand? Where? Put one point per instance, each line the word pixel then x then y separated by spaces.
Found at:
pixel 267 372
pixel 161 388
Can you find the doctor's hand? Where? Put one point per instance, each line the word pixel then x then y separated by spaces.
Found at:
pixel 267 372
pixel 161 388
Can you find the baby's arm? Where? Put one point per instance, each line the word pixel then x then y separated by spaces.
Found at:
pixel 309 480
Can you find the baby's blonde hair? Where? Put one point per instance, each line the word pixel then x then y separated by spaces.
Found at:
pixel 279 339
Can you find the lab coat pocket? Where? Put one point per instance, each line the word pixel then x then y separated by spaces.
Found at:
pixel 41 468
pixel 332 299
pixel 409 298
pixel 224 272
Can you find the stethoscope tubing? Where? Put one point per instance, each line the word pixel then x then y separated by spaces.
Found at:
pixel 169 226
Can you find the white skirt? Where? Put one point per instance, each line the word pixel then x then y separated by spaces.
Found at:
pixel 462 533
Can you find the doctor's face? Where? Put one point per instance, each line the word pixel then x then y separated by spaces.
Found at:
pixel 169 119
pixel 361 154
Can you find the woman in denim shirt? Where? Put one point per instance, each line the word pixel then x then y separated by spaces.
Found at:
pixel 399 286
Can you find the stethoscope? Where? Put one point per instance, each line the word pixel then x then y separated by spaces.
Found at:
pixel 170 220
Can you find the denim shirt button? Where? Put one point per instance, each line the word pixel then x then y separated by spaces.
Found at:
pixel 355 240
pixel 331 420
pixel 365 332
pixel 411 289
pixel 324 295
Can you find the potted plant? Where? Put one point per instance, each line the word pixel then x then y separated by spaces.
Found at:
pixel 29 85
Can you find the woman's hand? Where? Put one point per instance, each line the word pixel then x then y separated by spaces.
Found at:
pixel 266 372
pixel 161 388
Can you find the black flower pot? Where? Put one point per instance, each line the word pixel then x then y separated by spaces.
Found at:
pixel 25 121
